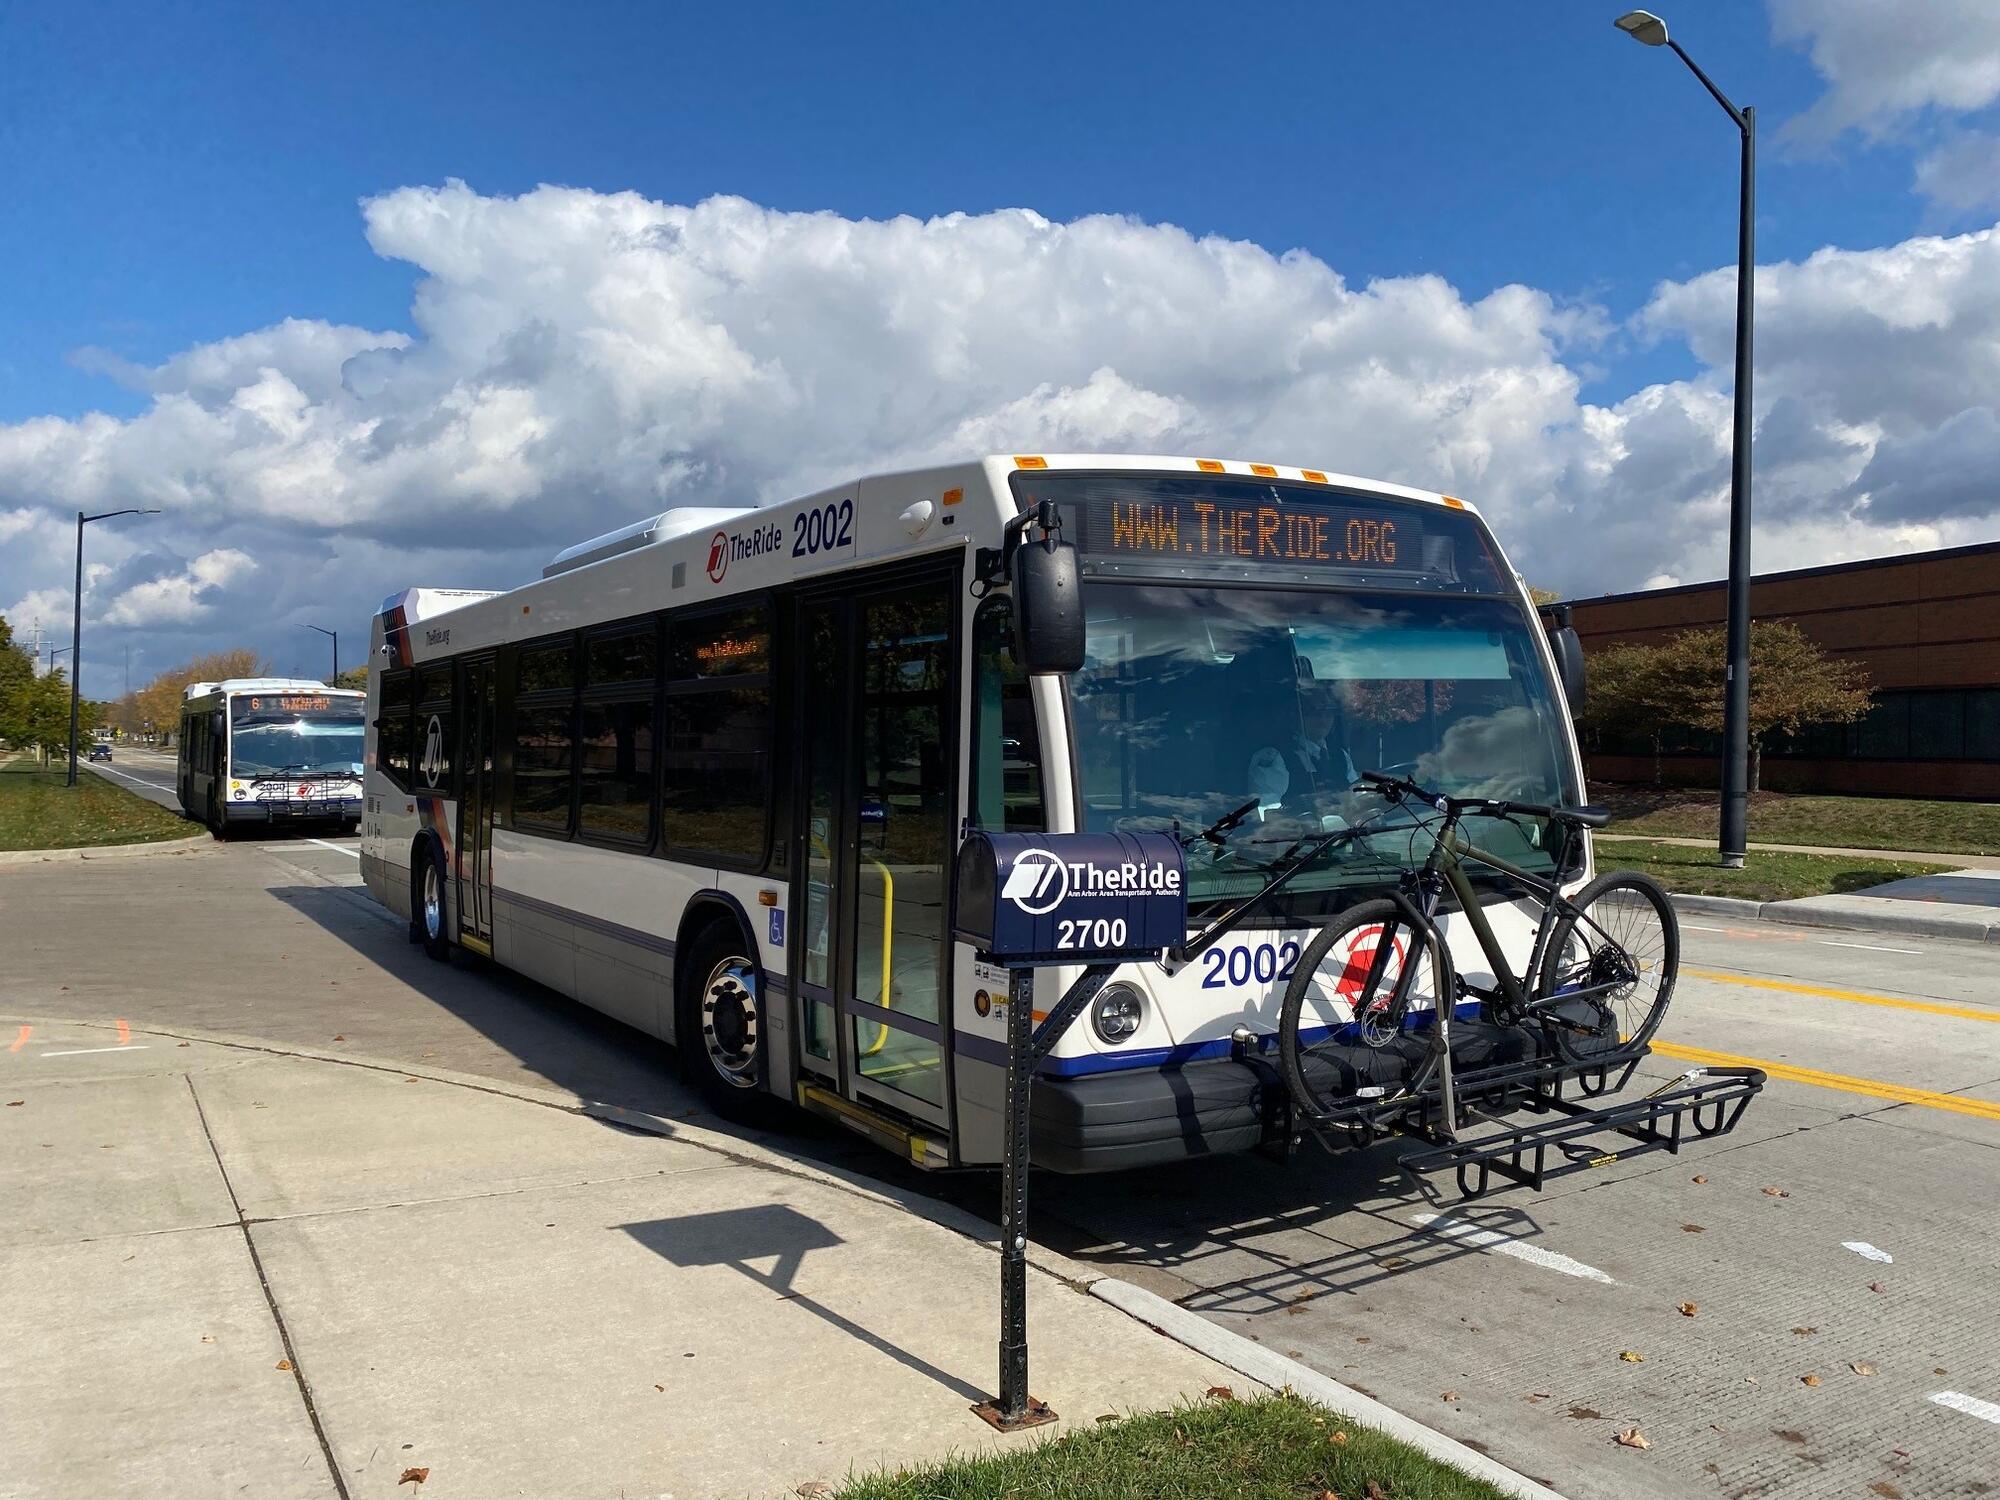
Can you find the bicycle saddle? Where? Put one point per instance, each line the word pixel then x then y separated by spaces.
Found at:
pixel 1584 817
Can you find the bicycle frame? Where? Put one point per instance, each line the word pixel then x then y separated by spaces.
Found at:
pixel 1447 859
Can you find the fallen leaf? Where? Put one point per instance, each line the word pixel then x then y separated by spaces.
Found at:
pixel 1861 1367
pixel 414 1476
pixel 1632 1356
pixel 1939 1370
pixel 1585 1413
pixel 1632 1437
pixel 1340 1440
pixel 1304 1294
pixel 1802 1332
pixel 1809 1380
pixel 1693 1229
pixel 1689 1309
pixel 1394 1263
pixel 1362 1338
pixel 1109 1416
pixel 1776 1192
pixel 1876 1286
pixel 1221 1393
pixel 284 1364
pixel 208 1338
pixel 659 1387
pixel 812 1489
pixel 1700 1178
pixel 1326 1495
pixel 181 1044
pixel 1885 1489
pixel 16 1103
pixel 1376 1492
pixel 340 1039
pixel 1448 1395
pixel 1534 1396
pixel 412 1080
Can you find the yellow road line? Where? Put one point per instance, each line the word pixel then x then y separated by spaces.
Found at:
pixel 1859 997
pixel 1873 1087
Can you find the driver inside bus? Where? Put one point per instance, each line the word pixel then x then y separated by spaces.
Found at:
pixel 1310 772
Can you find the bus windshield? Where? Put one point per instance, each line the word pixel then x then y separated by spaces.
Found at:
pixel 1195 701
pixel 273 738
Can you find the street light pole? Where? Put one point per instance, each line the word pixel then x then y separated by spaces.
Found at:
pixel 76 626
pixel 336 648
pixel 1644 26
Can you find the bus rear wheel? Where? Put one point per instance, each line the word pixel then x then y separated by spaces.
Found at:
pixel 721 1024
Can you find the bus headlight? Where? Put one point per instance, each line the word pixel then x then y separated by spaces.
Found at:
pixel 1118 1013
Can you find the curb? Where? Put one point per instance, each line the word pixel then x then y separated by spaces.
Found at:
pixel 105 851
pixel 1798 914
pixel 1280 1373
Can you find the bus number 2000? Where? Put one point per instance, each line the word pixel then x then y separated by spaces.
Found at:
pixel 1102 932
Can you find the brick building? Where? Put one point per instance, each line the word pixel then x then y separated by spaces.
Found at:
pixel 1927 628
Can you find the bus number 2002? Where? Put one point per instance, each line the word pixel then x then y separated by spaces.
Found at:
pixel 1265 963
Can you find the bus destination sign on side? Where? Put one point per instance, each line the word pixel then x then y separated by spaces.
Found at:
pixel 1259 533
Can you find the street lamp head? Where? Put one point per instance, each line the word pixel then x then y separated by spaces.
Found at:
pixel 1643 26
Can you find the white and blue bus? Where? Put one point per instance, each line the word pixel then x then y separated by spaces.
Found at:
pixel 708 774
pixel 264 751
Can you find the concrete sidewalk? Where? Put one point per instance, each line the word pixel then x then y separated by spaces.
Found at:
pixel 235 1269
pixel 1901 856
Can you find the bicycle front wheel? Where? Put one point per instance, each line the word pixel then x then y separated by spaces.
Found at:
pixel 1621 939
pixel 1344 990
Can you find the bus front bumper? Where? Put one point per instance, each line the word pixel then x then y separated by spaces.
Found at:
pixel 292 809
pixel 1107 1122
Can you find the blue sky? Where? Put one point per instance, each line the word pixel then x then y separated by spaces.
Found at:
pixel 184 172
pixel 300 263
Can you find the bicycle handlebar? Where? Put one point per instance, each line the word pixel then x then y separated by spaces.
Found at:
pixel 1397 788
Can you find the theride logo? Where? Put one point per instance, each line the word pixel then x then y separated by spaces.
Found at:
pixel 1037 883
pixel 726 546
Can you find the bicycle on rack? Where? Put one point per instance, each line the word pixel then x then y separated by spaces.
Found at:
pixel 1596 983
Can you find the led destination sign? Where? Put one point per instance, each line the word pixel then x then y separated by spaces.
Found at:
pixel 1187 529
pixel 1173 525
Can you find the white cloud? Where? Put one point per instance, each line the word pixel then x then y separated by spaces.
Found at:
pixel 578 359
pixel 1887 61
pixel 1963 175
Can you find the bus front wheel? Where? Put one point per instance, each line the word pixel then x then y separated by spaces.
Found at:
pixel 721 1024
pixel 427 905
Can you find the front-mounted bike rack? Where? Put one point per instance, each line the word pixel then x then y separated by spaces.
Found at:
pixel 1701 1103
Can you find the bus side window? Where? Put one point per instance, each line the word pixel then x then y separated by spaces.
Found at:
pixel 392 728
pixel 1006 749
pixel 543 787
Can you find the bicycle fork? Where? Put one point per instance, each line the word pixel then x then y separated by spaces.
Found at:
pixel 1422 922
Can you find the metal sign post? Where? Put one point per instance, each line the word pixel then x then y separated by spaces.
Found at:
pixel 1039 901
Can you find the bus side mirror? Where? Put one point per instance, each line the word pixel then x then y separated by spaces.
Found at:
pixel 1048 605
pixel 1568 651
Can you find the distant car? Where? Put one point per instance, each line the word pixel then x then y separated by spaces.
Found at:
pixel 100 751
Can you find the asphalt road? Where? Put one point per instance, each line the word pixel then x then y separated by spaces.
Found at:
pixel 1505 1323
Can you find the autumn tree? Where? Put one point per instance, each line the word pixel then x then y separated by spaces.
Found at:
pixel 1793 683
pixel 160 699
pixel 353 677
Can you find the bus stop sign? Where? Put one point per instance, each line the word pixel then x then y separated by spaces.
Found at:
pixel 1028 900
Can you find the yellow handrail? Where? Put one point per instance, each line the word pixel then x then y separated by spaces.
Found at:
pixel 888 955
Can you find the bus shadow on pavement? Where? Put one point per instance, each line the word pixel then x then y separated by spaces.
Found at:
pixel 557 1041
pixel 781 1235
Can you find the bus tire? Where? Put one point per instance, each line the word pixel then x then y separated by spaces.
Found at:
pixel 429 911
pixel 720 1018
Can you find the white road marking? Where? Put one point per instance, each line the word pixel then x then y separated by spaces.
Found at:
pixel 1500 1244
pixel 1871 947
pixel 158 786
pixel 1972 1406
pixel 1697 927
pixel 79 1051
pixel 1868 1252
pixel 336 848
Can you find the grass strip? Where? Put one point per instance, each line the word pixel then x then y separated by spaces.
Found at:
pixel 1276 1447
pixel 37 811
pixel 1903 823
pixel 1764 876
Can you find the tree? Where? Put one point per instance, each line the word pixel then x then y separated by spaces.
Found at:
pixel 17 674
pixel 1793 683
pixel 159 701
pixel 353 677
pixel 1543 598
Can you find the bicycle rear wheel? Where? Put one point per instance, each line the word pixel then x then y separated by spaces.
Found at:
pixel 1622 933
pixel 1343 991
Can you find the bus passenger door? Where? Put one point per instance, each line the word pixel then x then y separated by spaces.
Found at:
pixel 475 806
pixel 877 684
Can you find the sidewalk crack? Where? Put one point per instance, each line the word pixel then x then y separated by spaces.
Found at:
pixel 270 1299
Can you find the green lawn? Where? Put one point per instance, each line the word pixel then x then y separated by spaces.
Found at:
pixel 1272 1448
pixel 38 812
pixel 1782 818
pixel 1764 877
